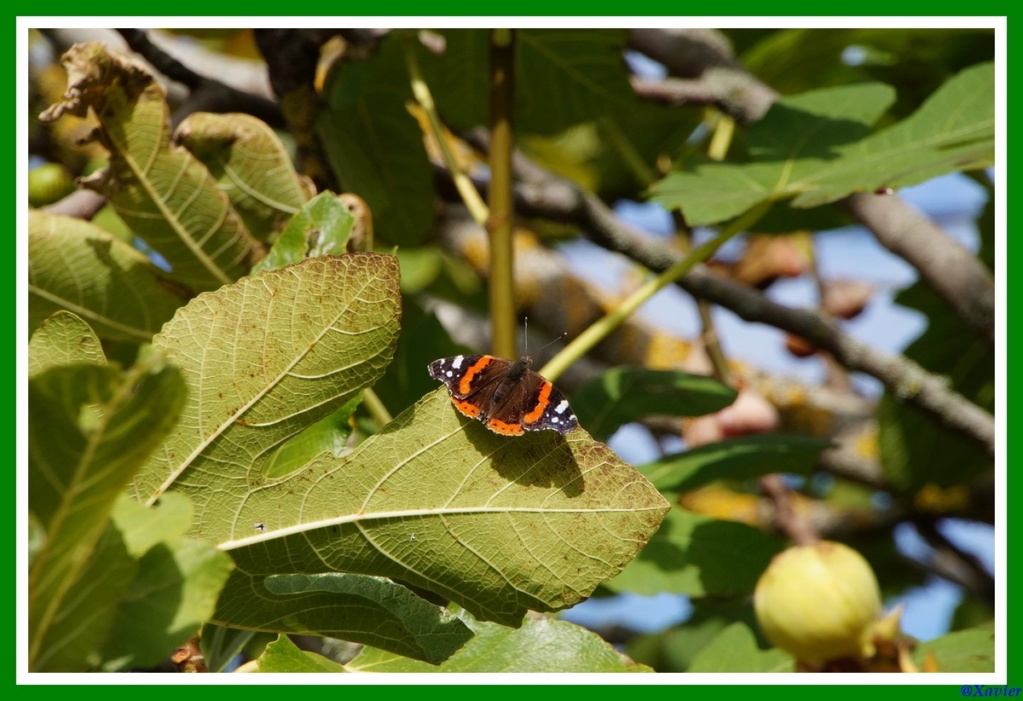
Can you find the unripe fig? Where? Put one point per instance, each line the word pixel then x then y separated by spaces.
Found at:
pixel 819 602
pixel 47 183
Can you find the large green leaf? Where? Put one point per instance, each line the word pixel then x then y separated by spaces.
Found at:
pixel 814 148
pixel 971 650
pixel 77 266
pixel 263 359
pixel 699 556
pixel 954 130
pixel 63 339
pixel 166 196
pixel 736 458
pixel 735 650
pixel 358 608
pixel 375 147
pixel 250 164
pixel 90 428
pixel 540 645
pixel 626 394
pixel 498 525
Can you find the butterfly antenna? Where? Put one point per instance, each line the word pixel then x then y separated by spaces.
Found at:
pixel 555 340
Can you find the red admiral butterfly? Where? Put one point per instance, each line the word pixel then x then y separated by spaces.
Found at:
pixel 507 397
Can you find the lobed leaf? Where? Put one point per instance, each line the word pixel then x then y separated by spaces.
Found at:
pixel 816 148
pixel 358 608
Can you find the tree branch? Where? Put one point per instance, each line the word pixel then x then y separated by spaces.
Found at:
pixel 706 54
pixel 954 273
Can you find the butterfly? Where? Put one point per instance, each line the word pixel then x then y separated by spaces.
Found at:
pixel 506 396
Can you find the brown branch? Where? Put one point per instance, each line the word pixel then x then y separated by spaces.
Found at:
pixel 786 519
pixel 80 204
pixel 901 376
pixel 954 273
pixel 706 54
pixel 677 92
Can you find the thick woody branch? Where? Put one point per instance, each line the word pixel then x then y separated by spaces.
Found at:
pixel 901 376
pixel 954 273
pixel 707 55
pixel 80 204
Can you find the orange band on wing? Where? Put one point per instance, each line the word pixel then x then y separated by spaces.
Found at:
pixel 542 402
pixel 498 426
pixel 465 384
pixel 470 410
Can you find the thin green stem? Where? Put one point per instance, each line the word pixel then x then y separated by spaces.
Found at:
pixel 616 317
pixel 421 91
pixel 377 411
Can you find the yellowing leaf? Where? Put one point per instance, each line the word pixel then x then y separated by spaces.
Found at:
pixel 165 195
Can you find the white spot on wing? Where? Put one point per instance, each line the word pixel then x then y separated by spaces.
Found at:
pixel 560 409
pixel 457 361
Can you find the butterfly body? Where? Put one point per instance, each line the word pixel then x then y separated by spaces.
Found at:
pixel 506 396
